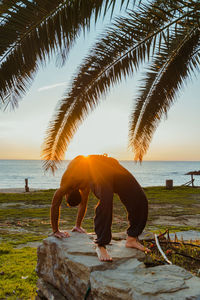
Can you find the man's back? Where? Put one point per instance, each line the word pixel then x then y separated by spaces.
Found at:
pixel 92 168
pixel 99 170
pixel 107 170
pixel 103 168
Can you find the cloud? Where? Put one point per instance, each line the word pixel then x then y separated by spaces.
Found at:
pixel 48 87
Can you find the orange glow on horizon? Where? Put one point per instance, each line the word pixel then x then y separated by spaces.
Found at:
pixel 157 152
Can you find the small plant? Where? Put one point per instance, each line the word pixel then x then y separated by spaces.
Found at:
pixel 185 255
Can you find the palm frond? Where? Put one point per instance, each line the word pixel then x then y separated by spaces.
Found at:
pixel 115 56
pixel 32 30
pixel 93 81
pixel 169 70
pixel 34 41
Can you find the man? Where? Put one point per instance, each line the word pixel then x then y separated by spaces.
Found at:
pixel 104 176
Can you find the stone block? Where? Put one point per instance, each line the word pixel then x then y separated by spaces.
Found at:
pixel 69 268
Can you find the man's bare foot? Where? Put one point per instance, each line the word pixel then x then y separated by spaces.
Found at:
pixel 102 254
pixel 61 234
pixel 132 242
pixel 78 229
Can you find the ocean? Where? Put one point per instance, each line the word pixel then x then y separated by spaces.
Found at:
pixel 149 173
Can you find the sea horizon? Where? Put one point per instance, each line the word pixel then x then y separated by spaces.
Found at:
pixel 159 160
pixel 148 173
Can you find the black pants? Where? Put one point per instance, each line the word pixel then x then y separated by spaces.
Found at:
pixel 136 205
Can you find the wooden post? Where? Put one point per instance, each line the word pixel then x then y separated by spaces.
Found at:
pixel 192 180
pixel 26 185
pixel 169 184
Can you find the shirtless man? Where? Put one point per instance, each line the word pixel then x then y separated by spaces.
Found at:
pixel 104 176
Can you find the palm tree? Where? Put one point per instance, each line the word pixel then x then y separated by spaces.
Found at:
pixel 165 35
pixel 32 30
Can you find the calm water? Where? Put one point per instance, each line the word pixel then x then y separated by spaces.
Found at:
pixel 149 173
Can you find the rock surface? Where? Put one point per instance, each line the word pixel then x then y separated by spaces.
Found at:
pixel 70 268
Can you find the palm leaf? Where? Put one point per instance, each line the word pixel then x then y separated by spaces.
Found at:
pixel 115 56
pixel 167 74
pixel 96 75
pixel 42 27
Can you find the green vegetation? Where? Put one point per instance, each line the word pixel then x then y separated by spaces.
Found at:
pixel 17 272
pixel 180 254
pixel 179 195
pixel 24 219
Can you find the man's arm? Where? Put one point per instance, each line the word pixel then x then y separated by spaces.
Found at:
pixel 55 213
pixel 81 210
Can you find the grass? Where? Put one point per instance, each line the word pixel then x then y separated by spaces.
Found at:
pixel 17 275
pixel 24 218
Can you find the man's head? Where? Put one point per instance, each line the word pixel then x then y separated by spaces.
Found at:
pixel 74 198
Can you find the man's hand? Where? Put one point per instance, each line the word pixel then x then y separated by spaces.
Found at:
pixel 78 229
pixel 61 234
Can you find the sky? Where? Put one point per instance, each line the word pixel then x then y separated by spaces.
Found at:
pixel 105 130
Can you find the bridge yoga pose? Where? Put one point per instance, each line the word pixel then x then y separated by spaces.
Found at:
pixel 104 176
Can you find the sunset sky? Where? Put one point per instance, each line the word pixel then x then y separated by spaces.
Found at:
pixel 106 129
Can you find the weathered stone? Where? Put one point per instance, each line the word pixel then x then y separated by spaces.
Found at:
pixel 71 267
pixel 69 273
pixel 117 250
pixel 67 263
pixel 136 282
pixel 47 291
pixel 160 279
pixel 119 235
pixel 114 284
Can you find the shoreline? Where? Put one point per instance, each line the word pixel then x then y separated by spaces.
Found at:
pixel 18 190
pixel 22 190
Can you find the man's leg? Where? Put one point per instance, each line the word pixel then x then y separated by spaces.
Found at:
pixel 137 209
pixel 103 220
